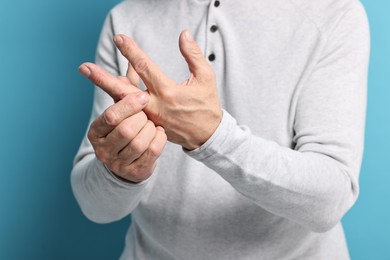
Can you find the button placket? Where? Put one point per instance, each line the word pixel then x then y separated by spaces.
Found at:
pixel 213 29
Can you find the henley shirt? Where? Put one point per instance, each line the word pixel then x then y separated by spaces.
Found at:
pixel 282 168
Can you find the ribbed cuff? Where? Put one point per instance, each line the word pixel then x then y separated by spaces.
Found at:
pixel 217 139
pixel 117 180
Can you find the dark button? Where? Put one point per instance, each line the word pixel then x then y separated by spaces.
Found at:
pixel 211 57
pixel 216 3
pixel 213 28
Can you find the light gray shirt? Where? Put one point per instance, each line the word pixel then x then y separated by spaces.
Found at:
pixel 282 168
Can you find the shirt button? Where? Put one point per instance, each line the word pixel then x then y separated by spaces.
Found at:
pixel 211 57
pixel 216 3
pixel 213 28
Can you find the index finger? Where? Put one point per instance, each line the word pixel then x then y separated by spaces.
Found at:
pixel 107 82
pixel 115 114
pixel 142 64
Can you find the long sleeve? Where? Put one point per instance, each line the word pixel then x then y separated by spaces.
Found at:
pixel 315 182
pixel 102 197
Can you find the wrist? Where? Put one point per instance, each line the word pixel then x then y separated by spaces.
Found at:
pixel 206 134
pixel 124 179
pixel 120 178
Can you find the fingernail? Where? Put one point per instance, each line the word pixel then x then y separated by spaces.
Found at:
pixel 118 39
pixel 84 70
pixel 188 36
pixel 142 98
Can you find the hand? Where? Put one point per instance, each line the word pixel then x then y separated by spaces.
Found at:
pixel 189 112
pixel 123 138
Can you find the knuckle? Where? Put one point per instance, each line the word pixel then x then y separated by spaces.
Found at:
pixel 164 136
pixel 141 65
pixel 169 94
pixel 125 131
pixel 154 150
pixel 195 51
pixel 120 90
pixel 131 104
pixel 91 135
pixel 138 146
pixel 110 117
pixel 101 155
pixel 97 79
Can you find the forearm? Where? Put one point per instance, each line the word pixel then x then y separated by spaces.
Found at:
pixel 315 181
pixel 306 187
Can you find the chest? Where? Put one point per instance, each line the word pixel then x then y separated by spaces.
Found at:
pixel 259 61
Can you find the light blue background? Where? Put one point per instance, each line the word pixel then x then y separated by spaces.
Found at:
pixel 44 109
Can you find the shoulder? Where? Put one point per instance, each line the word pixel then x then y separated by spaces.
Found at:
pixel 327 14
pixel 128 8
pixel 130 14
pixel 136 9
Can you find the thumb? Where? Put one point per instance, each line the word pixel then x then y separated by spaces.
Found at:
pixel 193 55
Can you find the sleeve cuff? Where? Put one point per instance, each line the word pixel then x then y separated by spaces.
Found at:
pixel 109 175
pixel 216 140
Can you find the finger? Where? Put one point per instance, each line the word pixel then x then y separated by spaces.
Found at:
pixel 133 76
pixel 145 164
pixel 124 80
pixel 139 144
pixel 104 80
pixel 115 114
pixel 142 64
pixel 157 145
pixel 125 132
pixel 193 55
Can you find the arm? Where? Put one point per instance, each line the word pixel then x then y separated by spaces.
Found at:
pixel 313 184
pixel 317 182
pixel 121 139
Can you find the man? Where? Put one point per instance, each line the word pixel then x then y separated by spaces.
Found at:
pixel 265 117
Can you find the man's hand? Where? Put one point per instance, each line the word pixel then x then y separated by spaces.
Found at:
pixel 123 138
pixel 189 112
